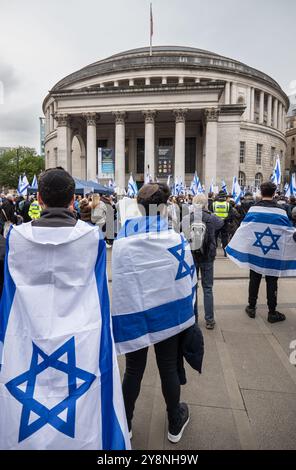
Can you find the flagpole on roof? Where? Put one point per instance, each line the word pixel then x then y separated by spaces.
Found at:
pixel 151 28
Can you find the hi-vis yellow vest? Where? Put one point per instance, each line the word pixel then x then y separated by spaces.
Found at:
pixel 221 209
pixel 35 211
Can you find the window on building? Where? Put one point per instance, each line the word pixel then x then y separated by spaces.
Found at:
pixel 166 142
pixel 190 154
pixel 281 155
pixel 272 155
pixel 140 155
pixel 242 179
pixel 172 80
pixel 139 81
pixel 259 154
pixel 242 152
pixel 293 151
pixel 258 179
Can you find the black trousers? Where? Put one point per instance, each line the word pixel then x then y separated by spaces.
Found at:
pixel 167 362
pixel 271 290
pixel 224 235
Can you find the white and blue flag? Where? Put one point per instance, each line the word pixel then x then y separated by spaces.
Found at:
pixel 264 242
pixel 224 187
pixel 291 188
pixel 236 191
pixel 59 380
pixel 132 189
pixel 34 184
pixel 23 190
pixel 277 172
pixel 196 187
pixel 153 284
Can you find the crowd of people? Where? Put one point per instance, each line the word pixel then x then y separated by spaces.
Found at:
pixel 200 222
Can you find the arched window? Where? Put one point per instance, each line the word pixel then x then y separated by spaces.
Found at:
pixel 258 179
pixel 242 179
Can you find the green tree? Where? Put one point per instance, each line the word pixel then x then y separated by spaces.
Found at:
pixel 16 162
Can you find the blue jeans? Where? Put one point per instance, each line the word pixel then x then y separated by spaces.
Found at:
pixel 206 270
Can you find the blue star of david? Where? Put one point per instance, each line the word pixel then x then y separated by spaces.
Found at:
pixel 40 362
pixel 178 252
pixel 267 233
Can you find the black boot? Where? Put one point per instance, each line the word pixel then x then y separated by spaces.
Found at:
pixel 251 311
pixel 274 317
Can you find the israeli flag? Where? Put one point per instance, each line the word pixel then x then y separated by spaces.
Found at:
pixel 112 184
pixel 34 184
pixel 211 190
pixel 178 187
pixel 132 189
pixel 24 186
pixel 236 191
pixel 59 380
pixel 264 242
pixel 153 284
pixel 224 187
pixel 196 187
pixel 291 189
pixel 277 172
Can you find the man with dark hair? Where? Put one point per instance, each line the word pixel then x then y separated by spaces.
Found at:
pixel 56 195
pixel 268 190
pixel 55 301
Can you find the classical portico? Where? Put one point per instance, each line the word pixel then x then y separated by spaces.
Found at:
pixel 211 112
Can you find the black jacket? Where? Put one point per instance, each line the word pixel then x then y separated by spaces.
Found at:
pixel 191 348
pixel 55 217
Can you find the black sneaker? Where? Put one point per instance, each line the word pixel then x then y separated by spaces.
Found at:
pixel 274 317
pixel 177 427
pixel 210 325
pixel 250 311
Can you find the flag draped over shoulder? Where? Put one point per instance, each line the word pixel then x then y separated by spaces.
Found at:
pixel 59 380
pixel 264 242
pixel 153 284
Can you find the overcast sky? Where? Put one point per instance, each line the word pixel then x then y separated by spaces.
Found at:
pixel 41 41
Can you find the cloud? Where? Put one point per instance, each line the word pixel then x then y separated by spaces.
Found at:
pixel 9 80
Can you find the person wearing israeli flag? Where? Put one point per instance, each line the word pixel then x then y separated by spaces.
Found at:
pixel 59 379
pixel 153 294
pixel 265 242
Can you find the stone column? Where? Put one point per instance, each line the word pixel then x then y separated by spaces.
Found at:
pixel 180 115
pixel 261 108
pixel 269 110
pixel 91 146
pixel 211 116
pixel 280 117
pixel 54 115
pixel 252 116
pixel 64 153
pixel 284 120
pixel 227 93
pixel 47 112
pixel 233 93
pixel 51 118
pixel 149 160
pixel 275 113
pixel 120 149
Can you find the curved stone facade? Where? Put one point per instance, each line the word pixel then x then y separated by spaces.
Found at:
pixel 209 113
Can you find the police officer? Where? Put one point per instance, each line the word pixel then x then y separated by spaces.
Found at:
pixel 35 210
pixel 223 210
